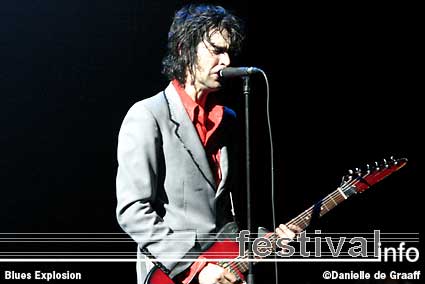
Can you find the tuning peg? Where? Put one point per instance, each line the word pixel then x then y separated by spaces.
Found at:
pixel 385 163
pixel 357 171
pixel 367 168
pixel 376 166
pixel 345 179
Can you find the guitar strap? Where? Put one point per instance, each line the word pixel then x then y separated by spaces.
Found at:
pixel 158 264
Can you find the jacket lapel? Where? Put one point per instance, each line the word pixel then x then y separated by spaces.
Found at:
pixel 187 134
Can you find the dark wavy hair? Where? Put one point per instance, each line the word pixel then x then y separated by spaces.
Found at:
pixel 191 25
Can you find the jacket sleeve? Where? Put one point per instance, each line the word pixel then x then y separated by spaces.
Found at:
pixel 139 148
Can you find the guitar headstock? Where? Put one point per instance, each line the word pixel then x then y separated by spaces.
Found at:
pixel 359 180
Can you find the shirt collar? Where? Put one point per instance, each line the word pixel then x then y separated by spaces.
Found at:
pixel 189 104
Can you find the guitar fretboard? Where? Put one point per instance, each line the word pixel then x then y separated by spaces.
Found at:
pixel 350 187
pixel 322 207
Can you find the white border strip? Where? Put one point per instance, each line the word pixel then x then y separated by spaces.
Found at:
pixel 186 260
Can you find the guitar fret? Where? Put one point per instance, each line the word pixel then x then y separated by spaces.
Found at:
pixel 304 221
pixel 334 201
pixel 244 266
pixel 342 193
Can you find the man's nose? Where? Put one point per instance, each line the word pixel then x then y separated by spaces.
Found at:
pixel 225 59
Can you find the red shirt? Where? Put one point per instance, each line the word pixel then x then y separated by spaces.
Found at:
pixel 206 120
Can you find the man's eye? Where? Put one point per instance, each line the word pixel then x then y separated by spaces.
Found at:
pixel 220 50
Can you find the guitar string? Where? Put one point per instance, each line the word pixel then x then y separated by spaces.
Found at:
pixel 377 174
pixel 335 196
pixel 242 266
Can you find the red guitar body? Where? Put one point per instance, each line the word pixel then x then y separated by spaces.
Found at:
pixel 157 276
pixel 223 249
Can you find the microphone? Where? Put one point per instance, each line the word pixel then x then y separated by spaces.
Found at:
pixel 230 72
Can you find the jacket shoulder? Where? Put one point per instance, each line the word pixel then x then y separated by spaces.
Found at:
pixel 155 105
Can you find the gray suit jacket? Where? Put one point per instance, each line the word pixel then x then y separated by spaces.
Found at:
pixel 166 193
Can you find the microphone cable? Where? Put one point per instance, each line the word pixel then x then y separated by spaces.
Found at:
pixel 272 169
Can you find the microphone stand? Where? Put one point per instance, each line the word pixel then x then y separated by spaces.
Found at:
pixel 246 91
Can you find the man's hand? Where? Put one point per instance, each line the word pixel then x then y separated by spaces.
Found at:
pixel 214 274
pixel 287 232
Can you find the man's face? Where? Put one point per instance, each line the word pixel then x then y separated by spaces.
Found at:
pixel 212 57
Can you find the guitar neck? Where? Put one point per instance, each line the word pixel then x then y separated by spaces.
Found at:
pixel 305 218
pixel 350 186
pixel 317 210
pixel 322 207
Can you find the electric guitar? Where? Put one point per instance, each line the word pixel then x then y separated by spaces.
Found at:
pixel 225 247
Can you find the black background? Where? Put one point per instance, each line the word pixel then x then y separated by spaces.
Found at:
pixel 344 82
